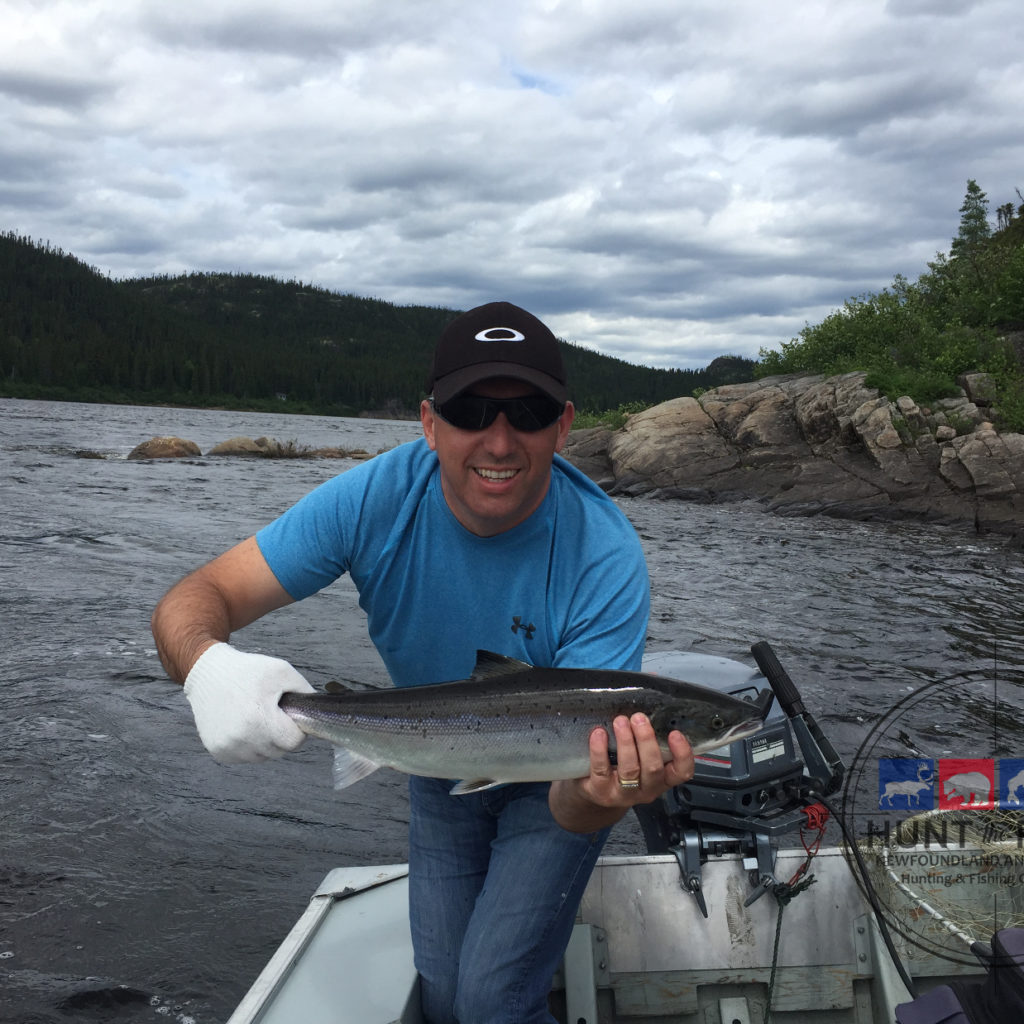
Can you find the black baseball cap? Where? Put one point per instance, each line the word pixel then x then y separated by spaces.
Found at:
pixel 496 340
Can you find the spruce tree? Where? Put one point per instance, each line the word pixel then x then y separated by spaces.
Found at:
pixel 975 229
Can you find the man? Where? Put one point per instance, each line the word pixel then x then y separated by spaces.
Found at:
pixel 477 537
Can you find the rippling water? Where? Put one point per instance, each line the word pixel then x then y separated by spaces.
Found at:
pixel 140 881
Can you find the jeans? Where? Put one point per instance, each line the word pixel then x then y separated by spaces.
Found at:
pixel 494 885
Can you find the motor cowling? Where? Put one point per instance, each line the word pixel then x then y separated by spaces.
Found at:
pixel 749 781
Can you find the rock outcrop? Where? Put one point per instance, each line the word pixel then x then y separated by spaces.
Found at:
pixel 262 447
pixel 165 448
pixel 811 444
pixel 239 446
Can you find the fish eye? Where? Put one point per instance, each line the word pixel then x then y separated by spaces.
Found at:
pixel 716 722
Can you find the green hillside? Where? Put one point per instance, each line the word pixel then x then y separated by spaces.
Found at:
pixel 966 313
pixel 244 341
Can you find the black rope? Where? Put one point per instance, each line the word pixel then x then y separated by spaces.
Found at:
pixel 783 893
pixel 869 891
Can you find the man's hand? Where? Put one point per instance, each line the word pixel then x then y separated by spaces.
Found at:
pixel 640 775
pixel 234 698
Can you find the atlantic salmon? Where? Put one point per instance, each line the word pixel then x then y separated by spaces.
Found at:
pixel 512 722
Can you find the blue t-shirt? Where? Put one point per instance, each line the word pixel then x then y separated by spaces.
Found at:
pixel 567 587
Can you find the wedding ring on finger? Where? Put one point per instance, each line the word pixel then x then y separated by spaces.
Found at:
pixel 629 783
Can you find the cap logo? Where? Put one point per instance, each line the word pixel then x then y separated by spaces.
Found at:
pixel 500 334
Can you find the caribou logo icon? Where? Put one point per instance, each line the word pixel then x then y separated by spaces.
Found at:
pixel 909 789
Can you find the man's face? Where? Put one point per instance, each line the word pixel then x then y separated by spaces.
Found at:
pixel 494 478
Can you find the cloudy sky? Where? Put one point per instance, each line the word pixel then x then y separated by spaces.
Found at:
pixel 662 180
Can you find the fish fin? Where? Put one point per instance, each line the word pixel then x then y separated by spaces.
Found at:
pixel 489 665
pixel 472 786
pixel 350 767
pixel 348 686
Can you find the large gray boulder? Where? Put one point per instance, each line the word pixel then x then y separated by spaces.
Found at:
pixel 809 444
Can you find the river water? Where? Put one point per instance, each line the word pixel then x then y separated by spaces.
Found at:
pixel 142 882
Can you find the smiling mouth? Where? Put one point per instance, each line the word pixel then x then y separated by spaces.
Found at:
pixel 495 474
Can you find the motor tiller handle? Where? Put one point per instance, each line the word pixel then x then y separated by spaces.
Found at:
pixel 785 689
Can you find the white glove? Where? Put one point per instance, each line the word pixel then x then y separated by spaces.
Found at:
pixel 234 699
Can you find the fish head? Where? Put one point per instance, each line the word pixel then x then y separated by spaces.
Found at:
pixel 708 721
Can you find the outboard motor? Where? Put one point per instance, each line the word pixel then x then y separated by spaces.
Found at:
pixel 742 796
pixel 745 795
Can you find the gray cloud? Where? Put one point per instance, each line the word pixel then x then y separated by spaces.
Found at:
pixel 662 182
pixel 43 88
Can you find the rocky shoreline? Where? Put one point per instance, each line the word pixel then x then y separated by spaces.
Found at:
pixel 809 444
pixel 799 445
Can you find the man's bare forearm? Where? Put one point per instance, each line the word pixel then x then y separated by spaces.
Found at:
pixel 206 607
pixel 191 617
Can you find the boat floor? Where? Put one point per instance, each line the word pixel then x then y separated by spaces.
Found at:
pixel 641 952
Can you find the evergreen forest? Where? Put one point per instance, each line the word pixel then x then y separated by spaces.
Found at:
pixel 243 341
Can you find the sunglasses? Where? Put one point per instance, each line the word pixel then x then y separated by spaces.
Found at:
pixel 474 412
